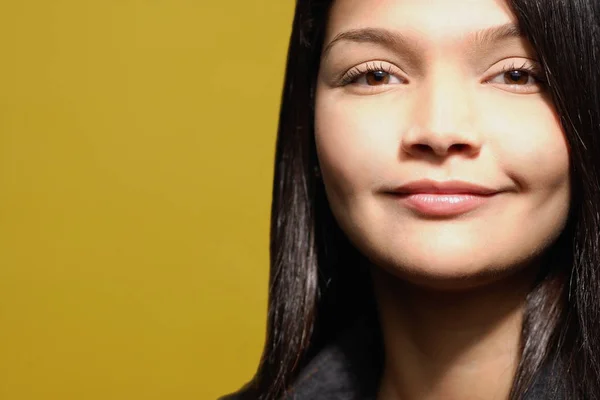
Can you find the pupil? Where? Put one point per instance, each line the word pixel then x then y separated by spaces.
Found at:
pixel 377 78
pixel 379 75
pixel 515 76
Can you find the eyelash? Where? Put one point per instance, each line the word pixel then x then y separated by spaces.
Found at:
pixel 533 70
pixel 353 74
pixel 356 72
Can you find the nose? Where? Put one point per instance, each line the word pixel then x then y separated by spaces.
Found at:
pixel 441 124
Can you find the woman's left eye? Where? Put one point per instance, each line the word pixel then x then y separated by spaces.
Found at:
pixel 524 80
pixel 516 77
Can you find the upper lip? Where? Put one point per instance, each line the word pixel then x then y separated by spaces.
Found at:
pixel 445 187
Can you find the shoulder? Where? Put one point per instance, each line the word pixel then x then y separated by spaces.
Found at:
pixel 346 369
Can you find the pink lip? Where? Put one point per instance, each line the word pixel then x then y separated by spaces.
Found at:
pixel 443 199
pixel 446 187
pixel 442 205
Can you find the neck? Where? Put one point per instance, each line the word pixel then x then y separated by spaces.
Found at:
pixel 449 345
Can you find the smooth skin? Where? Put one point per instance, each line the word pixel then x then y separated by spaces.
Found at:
pixel 441 90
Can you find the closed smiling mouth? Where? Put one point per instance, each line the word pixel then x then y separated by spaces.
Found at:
pixel 443 199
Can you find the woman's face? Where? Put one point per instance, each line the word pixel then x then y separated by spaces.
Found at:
pixel 417 99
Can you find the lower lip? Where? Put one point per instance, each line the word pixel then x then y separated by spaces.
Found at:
pixel 443 205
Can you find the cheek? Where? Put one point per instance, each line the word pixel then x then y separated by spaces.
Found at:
pixel 354 143
pixel 529 145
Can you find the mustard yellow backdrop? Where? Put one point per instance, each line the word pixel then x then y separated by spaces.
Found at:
pixel 136 157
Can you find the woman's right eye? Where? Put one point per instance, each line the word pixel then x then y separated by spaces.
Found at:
pixel 371 75
pixel 377 78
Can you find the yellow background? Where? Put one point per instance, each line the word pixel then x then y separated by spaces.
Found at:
pixel 136 156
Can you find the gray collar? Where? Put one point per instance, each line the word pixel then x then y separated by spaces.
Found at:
pixel 347 369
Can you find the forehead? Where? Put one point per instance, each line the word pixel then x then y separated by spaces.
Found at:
pixel 429 20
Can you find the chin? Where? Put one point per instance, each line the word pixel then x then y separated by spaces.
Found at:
pixel 451 273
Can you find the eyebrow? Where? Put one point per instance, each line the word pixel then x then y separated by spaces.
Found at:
pixel 491 35
pixel 394 40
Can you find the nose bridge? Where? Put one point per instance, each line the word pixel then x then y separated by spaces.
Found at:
pixel 442 117
pixel 443 104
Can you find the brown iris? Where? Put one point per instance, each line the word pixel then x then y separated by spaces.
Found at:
pixel 375 78
pixel 516 77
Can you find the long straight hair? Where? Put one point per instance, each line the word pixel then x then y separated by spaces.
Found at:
pixel 318 282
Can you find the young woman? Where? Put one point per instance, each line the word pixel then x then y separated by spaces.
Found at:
pixel 436 203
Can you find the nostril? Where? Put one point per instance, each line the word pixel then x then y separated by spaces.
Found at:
pixel 459 147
